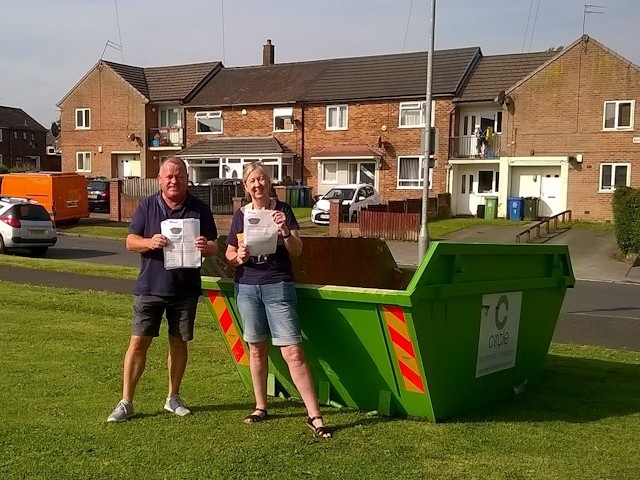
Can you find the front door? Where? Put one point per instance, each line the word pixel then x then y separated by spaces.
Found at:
pixel 550 195
pixel 467 199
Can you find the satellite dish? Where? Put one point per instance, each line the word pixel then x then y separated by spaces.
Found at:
pixel 55 131
pixel 500 98
pixel 508 100
pixel 132 137
pixel 380 142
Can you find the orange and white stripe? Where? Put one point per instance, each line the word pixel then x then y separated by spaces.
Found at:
pixel 229 330
pixel 403 347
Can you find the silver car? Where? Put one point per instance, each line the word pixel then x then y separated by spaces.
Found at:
pixel 25 224
pixel 351 196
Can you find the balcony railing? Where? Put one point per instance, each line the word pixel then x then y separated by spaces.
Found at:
pixel 164 137
pixel 472 147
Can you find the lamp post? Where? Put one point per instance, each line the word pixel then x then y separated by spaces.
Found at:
pixel 423 238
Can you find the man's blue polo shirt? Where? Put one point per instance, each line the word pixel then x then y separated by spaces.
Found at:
pixel 154 279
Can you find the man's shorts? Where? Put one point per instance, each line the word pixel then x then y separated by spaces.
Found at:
pixel 149 309
pixel 269 308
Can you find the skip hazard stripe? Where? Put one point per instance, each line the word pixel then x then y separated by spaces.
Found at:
pixel 403 348
pixel 229 330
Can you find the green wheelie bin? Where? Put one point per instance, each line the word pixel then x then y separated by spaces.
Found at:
pixel 469 327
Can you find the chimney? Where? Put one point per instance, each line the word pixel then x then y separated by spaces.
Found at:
pixel 268 54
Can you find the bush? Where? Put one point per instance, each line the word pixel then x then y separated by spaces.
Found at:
pixel 3 169
pixel 626 216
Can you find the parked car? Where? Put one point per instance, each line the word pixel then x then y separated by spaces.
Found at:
pixel 352 196
pixel 25 224
pixel 221 181
pixel 98 194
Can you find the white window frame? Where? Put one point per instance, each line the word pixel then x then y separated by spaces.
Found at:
pixel 165 112
pixel 284 114
pixel 0 135
pixel 85 124
pixel 401 183
pixel 414 106
pixel 616 119
pixel 359 172
pixel 51 150
pixel 84 157
pixel 323 173
pixel 345 115
pixel 614 165
pixel 207 115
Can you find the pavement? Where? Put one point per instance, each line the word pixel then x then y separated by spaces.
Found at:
pixel 593 253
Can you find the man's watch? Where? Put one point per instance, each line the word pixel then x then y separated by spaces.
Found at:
pixel 284 237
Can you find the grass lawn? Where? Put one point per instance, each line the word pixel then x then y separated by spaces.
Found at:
pixel 103 228
pixel 62 373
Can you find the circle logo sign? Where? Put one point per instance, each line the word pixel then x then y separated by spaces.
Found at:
pixel 502 312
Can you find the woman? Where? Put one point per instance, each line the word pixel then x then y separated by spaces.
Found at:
pixel 266 299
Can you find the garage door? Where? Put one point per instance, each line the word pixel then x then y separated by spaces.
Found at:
pixel 543 183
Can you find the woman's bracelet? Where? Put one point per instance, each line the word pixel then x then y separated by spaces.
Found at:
pixel 284 237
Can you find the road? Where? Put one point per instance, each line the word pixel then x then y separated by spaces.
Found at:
pixel 593 313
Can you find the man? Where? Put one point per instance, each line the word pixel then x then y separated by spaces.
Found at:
pixel 159 291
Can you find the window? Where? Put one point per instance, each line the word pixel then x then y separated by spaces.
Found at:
pixel 0 135
pixel 283 119
pixel 83 118
pixel 329 172
pixel 410 172
pixel 15 135
pixel 614 175
pixel 364 172
pixel 209 122
pixel 337 117
pixel 485 181
pixel 168 117
pixel 83 161
pixel 412 114
pixel 51 150
pixel 618 115
pixel 24 135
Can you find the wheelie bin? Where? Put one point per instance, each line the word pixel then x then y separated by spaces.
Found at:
pixel 514 210
pixel 530 207
pixel 490 208
pixel 469 327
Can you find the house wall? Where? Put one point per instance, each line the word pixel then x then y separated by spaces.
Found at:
pixel 559 111
pixel 117 110
pixel 368 121
pixel 257 122
pixel 15 151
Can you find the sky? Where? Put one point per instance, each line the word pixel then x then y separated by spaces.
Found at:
pixel 48 46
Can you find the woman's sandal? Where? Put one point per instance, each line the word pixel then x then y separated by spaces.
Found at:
pixel 253 418
pixel 323 431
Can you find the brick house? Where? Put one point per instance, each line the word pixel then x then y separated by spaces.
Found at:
pixel 121 121
pixel 576 110
pixel 350 120
pixel 566 135
pixel 22 140
pixel 246 114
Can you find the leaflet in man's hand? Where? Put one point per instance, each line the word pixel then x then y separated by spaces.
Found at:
pixel 181 252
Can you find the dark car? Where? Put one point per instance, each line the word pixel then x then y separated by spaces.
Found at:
pixel 221 181
pixel 98 193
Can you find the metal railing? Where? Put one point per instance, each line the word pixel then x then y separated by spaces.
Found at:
pixel 544 226
pixel 165 137
pixel 469 147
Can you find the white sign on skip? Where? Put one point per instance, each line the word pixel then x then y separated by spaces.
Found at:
pixel 498 336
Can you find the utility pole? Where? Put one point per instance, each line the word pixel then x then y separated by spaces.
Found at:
pixel 423 239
